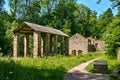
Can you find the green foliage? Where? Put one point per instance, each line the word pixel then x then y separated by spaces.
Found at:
pixel 115 3
pixel 84 20
pixel 66 27
pixel 102 23
pixel 2 2
pixel 3 27
pixel 112 63
pixel 9 36
pixel 11 26
pixel 112 36
pixel 51 68
pixel 65 15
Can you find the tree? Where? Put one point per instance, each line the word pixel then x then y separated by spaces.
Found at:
pixel 25 10
pixel 84 20
pixel 9 37
pixel 2 2
pixel 112 36
pixel 115 3
pixel 61 17
pixel 102 22
pixel 3 18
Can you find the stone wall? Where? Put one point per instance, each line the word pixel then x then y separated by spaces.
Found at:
pixel 100 66
pixel 99 45
pixel 78 44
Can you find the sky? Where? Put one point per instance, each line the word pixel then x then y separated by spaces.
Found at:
pixel 99 8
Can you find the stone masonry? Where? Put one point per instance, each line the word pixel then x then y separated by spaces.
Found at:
pixel 79 44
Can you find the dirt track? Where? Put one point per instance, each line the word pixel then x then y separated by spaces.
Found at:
pixel 79 73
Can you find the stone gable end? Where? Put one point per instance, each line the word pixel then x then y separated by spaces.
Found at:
pixel 79 44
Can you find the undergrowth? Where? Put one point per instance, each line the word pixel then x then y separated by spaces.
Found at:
pixel 51 68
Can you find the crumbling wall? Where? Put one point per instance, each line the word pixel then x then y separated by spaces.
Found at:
pixel 78 44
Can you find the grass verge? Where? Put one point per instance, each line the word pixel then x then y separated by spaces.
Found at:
pixel 113 64
pixel 51 68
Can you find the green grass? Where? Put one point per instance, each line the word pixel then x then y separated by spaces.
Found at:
pixel 51 68
pixel 113 64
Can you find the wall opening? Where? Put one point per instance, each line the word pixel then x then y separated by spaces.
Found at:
pixel 74 52
pixel 79 51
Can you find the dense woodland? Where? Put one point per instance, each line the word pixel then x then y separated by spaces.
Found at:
pixel 65 15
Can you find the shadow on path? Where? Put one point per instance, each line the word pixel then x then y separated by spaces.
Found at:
pixel 79 73
pixel 85 76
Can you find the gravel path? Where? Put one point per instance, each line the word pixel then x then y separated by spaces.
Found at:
pixel 79 73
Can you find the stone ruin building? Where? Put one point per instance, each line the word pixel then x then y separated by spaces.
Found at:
pixel 79 44
pixel 42 36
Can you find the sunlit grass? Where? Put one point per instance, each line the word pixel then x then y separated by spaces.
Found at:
pixel 51 68
pixel 113 63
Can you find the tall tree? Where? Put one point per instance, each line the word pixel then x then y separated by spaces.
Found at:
pixel 112 36
pixel 25 10
pixel 103 21
pixel 62 16
pixel 3 27
pixel 2 2
pixel 84 19
pixel 115 3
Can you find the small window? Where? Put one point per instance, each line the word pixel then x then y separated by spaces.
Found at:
pixel 74 52
pixel 79 51
pixel 96 44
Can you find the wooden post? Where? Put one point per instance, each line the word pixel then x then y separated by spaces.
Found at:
pixel 15 45
pixel 62 47
pixel 35 35
pixel 26 44
pixel 66 45
pixel 55 44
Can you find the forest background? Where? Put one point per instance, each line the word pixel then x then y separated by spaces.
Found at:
pixel 65 15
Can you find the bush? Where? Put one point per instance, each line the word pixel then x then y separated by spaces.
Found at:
pixel 112 37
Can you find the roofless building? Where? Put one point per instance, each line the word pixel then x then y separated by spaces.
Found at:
pixel 48 36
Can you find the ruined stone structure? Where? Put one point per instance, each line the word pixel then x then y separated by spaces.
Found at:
pixel 79 44
pixel 42 36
